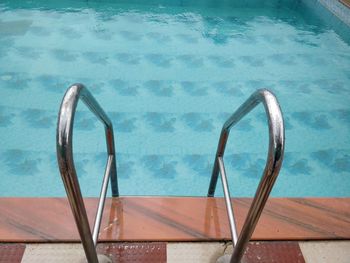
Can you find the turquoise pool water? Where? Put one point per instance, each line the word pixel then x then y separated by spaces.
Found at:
pixel 169 73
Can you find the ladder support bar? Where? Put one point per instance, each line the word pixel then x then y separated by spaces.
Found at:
pixel 231 218
pixel 272 167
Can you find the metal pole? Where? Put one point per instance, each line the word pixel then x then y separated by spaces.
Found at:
pixel 101 203
pixel 227 195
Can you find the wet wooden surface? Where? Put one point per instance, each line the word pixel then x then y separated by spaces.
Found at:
pixel 174 219
pixel 345 2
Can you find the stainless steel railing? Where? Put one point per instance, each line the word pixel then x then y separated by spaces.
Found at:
pixel 271 171
pixel 66 165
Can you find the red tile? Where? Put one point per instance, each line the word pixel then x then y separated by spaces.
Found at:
pixel 153 252
pixel 273 252
pixel 11 253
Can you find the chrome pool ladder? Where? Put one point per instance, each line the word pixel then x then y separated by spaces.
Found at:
pixel 69 176
pixel 271 171
pixel 64 144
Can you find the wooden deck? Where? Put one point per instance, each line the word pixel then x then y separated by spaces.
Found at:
pixel 345 2
pixel 174 219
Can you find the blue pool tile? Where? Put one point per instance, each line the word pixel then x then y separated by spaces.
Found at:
pixel 244 124
pixel 126 166
pixel 257 84
pixel 343 116
pixel 160 122
pixel 194 89
pixel 70 33
pixel 273 39
pixel 198 122
pixel 324 156
pixel 29 52
pixel 159 166
pixel 159 60
pixel 167 170
pixel 101 33
pixel 228 88
pixel 254 169
pixel 64 55
pixel 305 88
pixel 100 159
pixel 252 61
pixel 21 163
pixel 190 39
pixel 80 166
pixel 216 37
pixel 84 121
pixel 96 57
pixel 321 122
pixel 314 120
pixel 245 39
pixel 131 36
pixel 222 62
pixel 331 86
pixel 159 88
pixel 191 61
pixel 94 87
pixel 127 58
pixel 312 60
pixel 40 31
pixel 123 87
pixel 212 21
pixel 299 167
pixel 341 164
pixel 200 164
pixel 123 122
pixel 238 161
pixel 287 123
pixel 6 117
pixel 236 21
pixel 53 83
pixel 39 118
pixel 14 80
pixel 159 37
pixel 283 59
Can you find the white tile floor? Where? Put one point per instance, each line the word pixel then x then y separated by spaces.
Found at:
pixel 194 252
pixel 326 252
pixel 53 253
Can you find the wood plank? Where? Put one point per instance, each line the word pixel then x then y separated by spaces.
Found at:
pixel 174 219
pixel 345 2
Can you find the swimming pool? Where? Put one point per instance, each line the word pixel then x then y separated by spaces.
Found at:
pixel 169 73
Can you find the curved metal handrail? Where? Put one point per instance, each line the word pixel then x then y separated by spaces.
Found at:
pixel 67 168
pixel 271 171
